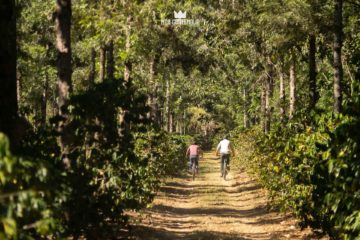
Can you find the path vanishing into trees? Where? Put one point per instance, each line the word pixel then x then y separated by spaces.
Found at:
pixel 212 208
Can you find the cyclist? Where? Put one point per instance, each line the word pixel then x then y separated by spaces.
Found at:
pixel 193 152
pixel 224 148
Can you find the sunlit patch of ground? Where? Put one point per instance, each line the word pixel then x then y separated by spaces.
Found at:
pixel 212 208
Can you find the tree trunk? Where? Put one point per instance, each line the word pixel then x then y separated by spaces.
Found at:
pixel 266 94
pixel 91 79
pixel 54 105
pixel 167 105
pixel 282 93
pixel 162 119
pixel 18 86
pixel 270 69
pixel 177 126
pixel 110 67
pixel 8 89
pixel 269 87
pixel 246 110
pixel 338 69
pixel 128 65
pixel 102 62
pixel 268 83
pixel 184 123
pixel 292 86
pixel 91 83
pixel 263 108
pixel 153 94
pixel 44 100
pixel 171 124
pixel 312 72
pixel 64 68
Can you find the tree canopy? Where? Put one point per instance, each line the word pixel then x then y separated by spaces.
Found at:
pixel 98 100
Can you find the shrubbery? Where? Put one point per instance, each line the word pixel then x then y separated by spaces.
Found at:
pixel 312 169
pixel 165 151
pixel 336 176
pixel 113 168
pixel 24 198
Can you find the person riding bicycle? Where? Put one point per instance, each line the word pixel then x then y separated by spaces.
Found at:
pixel 193 152
pixel 224 148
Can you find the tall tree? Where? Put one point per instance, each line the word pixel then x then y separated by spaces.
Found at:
pixel 292 85
pixel 314 95
pixel 338 41
pixel 44 99
pixel 246 107
pixel 153 101
pixel 128 64
pixel 263 106
pixel 92 72
pixel 63 45
pixel 281 91
pixel 268 81
pixel 167 115
pixel 8 89
pixel 268 89
pixel 110 62
pixel 102 62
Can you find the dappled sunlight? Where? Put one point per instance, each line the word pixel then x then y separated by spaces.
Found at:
pixel 212 208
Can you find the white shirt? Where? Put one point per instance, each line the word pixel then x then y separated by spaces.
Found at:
pixel 224 146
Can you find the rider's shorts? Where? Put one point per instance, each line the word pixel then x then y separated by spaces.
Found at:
pixel 194 158
pixel 225 156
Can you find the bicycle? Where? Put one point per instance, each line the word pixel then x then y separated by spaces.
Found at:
pixel 224 169
pixel 194 167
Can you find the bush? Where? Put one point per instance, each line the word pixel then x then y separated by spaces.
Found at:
pixel 166 152
pixel 113 168
pixel 336 177
pixel 24 205
pixel 313 170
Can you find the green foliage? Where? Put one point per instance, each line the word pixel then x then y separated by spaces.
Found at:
pixel 24 195
pixel 166 153
pixel 336 176
pixel 105 176
pixel 108 173
pixel 203 78
pixel 312 171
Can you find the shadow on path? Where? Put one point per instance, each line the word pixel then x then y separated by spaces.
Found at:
pixel 211 208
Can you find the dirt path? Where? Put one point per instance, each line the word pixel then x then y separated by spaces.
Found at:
pixel 212 208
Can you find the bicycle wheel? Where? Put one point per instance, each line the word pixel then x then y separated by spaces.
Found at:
pixel 224 169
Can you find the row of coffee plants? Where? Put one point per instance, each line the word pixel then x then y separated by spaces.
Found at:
pixel 113 168
pixel 312 169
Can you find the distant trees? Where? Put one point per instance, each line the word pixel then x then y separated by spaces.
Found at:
pixel 112 39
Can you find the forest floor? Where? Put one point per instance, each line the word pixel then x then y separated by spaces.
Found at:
pixel 212 208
